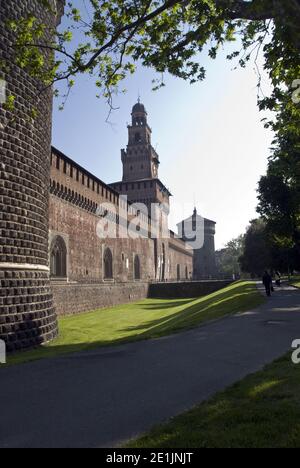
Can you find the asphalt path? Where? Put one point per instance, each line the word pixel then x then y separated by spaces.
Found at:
pixel 105 397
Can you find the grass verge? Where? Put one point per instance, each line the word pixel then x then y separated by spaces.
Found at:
pixel 151 318
pixel 295 281
pixel 261 411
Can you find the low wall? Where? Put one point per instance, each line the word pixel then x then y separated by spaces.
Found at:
pixel 185 290
pixel 73 298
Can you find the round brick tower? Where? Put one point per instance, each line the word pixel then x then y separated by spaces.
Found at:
pixel 27 315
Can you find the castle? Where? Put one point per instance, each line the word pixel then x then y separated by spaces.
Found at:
pixel 77 254
pixel 49 240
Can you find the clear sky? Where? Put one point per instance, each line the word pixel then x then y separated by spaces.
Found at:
pixel 212 144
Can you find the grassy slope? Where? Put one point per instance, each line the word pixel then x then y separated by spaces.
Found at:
pixel 295 281
pixel 143 320
pixel 262 410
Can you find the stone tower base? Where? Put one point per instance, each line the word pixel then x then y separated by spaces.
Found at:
pixel 27 316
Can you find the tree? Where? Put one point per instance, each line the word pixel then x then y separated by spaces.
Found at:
pixel 167 35
pixel 228 258
pixel 263 250
pixel 257 256
pixel 279 190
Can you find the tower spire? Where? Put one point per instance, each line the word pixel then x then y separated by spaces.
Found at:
pixel 140 160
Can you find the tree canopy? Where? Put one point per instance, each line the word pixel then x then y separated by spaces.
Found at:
pixel 165 35
pixel 263 250
pixel 228 259
pixel 173 36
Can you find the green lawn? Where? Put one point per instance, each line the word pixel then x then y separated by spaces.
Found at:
pixel 262 411
pixel 295 281
pixel 151 318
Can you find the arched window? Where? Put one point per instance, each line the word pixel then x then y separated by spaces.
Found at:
pixel 108 264
pixel 137 268
pixel 178 273
pixel 58 254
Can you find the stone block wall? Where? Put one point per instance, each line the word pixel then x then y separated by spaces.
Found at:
pixel 75 298
pixel 27 315
pixel 72 299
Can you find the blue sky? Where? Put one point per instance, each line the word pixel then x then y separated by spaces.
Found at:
pixel 211 141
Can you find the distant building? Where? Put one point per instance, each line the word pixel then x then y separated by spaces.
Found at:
pixel 204 261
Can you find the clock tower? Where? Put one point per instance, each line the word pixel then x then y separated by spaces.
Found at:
pixel 140 160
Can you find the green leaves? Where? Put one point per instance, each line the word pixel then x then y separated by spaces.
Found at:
pixel 9 105
pixel 168 36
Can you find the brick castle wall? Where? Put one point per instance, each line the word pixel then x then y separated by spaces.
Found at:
pixel 76 195
pixel 27 315
pixel 85 249
pixel 71 299
pixel 180 260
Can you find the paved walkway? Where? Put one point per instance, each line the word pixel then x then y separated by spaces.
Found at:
pixel 104 397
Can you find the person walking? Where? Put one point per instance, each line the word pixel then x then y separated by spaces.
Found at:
pixel 278 279
pixel 267 281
